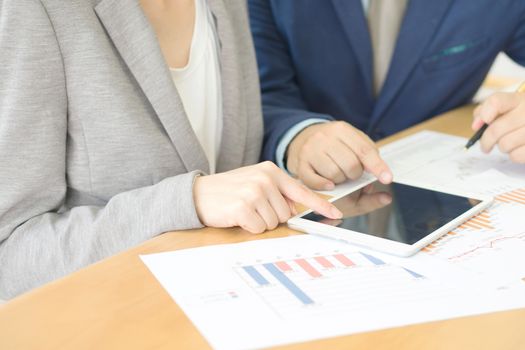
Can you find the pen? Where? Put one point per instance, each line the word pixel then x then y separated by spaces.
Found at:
pixel 481 130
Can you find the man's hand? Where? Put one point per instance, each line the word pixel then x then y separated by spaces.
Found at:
pixel 326 154
pixel 505 114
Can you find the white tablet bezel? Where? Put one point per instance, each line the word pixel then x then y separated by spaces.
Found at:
pixel 383 244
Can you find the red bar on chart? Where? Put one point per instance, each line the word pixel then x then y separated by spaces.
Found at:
pixel 324 262
pixel 283 266
pixel 344 260
pixel 308 268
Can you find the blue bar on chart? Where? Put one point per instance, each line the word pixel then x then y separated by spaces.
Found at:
pixel 256 275
pixel 288 284
pixel 373 259
pixel 414 274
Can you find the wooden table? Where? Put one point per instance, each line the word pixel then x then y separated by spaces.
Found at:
pixel 118 304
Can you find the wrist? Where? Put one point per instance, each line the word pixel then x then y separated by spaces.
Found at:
pixel 291 156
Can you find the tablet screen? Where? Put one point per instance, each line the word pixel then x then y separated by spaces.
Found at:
pixel 397 212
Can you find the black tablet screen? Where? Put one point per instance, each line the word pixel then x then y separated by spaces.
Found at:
pixel 397 212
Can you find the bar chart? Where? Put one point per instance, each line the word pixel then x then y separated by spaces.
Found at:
pixel 513 197
pixel 270 292
pixel 324 283
pixel 479 222
pixel 494 224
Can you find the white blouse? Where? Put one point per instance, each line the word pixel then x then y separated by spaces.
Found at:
pixel 199 84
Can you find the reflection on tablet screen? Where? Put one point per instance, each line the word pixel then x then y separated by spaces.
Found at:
pixel 397 212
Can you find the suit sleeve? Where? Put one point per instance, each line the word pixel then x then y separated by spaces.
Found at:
pixel 283 106
pixel 516 47
pixel 41 239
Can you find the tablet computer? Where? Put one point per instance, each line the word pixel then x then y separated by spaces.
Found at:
pixel 399 219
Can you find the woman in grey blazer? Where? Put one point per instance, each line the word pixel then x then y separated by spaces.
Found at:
pixel 97 153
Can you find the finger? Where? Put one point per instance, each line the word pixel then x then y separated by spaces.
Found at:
pixel 291 204
pixel 368 155
pixel 300 194
pixel 502 126
pixel 267 213
pixel 313 180
pixel 518 155
pixel 512 140
pixel 279 204
pixel 477 122
pixel 327 168
pixel 345 159
pixel 251 221
pixel 496 105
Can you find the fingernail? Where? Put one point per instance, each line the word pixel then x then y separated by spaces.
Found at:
pixel 477 123
pixel 385 177
pixel 336 213
pixel 329 186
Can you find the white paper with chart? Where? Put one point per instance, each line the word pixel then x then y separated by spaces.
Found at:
pixel 269 292
pixel 276 291
pixel 491 244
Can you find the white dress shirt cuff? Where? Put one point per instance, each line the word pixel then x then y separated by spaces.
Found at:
pixel 290 135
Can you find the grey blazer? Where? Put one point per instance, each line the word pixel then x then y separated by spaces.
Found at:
pixel 96 152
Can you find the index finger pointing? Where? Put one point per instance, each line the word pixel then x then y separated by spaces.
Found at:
pixel 300 194
pixel 369 156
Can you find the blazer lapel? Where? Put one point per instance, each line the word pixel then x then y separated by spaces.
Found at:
pixel 234 118
pixel 351 15
pixel 422 20
pixel 136 42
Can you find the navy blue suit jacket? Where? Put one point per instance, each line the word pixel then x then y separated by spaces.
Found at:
pixel 315 61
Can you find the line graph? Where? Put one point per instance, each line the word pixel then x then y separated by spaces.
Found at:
pixel 499 218
pixel 495 248
pixel 488 245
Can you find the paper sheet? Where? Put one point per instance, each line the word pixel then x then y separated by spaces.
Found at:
pixel 276 291
pixel 270 292
pixel 491 244
pixel 434 159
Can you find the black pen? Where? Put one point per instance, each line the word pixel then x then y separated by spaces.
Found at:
pixel 475 138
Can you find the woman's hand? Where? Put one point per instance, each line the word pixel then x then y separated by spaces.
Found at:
pixel 505 114
pixel 256 198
